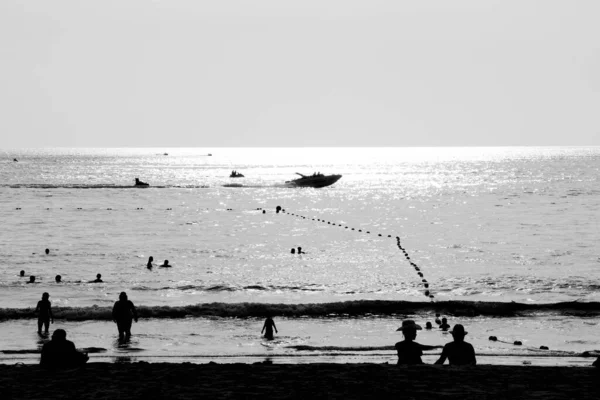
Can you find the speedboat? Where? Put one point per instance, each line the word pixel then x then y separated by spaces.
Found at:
pixel 316 180
pixel 139 183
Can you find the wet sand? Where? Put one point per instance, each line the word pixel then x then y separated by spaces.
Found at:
pixel 282 381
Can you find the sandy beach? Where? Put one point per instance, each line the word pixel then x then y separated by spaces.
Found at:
pixel 343 381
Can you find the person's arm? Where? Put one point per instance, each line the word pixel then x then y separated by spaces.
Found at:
pixel 264 327
pixel 473 360
pixel 134 311
pixel 275 327
pixel 114 312
pixel 443 357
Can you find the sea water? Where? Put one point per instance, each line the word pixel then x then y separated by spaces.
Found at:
pixel 482 225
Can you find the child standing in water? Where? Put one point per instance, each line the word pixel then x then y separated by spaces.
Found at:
pixel 44 310
pixel 268 328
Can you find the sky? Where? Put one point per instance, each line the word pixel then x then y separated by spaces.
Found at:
pixel 193 73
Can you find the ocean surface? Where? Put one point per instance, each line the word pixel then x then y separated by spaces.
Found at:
pixel 506 239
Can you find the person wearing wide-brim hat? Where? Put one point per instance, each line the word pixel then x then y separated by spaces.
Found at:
pixel 409 351
pixel 458 352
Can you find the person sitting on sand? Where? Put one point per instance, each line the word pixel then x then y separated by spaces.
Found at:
pixel 409 351
pixel 123 314
pixel 44 310
pixel 268 327
pixel 458 352
pixel 166 264
pixel 149 265
pixel 98 279
pixel 60 352
pixel 444 325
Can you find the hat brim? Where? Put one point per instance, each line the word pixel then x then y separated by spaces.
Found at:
pixel 414 327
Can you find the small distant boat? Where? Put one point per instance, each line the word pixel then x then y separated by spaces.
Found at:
pixel 139 183
pixel 316 180
pixel 235 174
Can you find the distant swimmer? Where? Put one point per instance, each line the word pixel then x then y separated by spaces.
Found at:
pixel 268 327
pixel 15 160
pixel 300 251
pixel 98 279
pixel 293 251
pixel 140 183
pixel 166 264
pixel 22 273
pixel 58 278
pixel 428 325
pixel 444 325
pixel 44 310
pixel 149 265
pixel 47 251
pixel 31 279
pixel 123 314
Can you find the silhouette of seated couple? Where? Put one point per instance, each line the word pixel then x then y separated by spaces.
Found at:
pixel 458 352
pixel 61 353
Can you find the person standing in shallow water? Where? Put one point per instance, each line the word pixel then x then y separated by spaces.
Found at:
pixel 149 265
pixel 458 352
pixel 409 351
pixel 268 327
pixel 123 314
pixel 44 310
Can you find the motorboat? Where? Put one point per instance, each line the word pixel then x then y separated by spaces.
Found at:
pixel 139 183
pixel 235 174
pixel 316 180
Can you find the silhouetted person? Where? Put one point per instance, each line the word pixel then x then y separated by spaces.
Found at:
pixel 428 325
pixel 60 352
pixel 268 327
pixel 166 264
pixel 140 183
pixel 22 273
pixel 31 279
pixel 444 325
pixel 44 310
pixel 409 351
pixel 15 160
pixel 149 265
pixel 293 251
pixel 458 352
pixel 123 314
pixel 300 251
pixel 596 363
pixel 98 279
pixel 58 278
pixel 47 251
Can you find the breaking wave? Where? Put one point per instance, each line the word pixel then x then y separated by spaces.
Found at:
pixel 346 309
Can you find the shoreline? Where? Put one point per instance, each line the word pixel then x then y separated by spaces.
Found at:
pixel 280 381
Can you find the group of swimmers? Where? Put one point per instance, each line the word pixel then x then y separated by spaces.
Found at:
pixel 58 278
pixel 299 251
pixel 151 259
